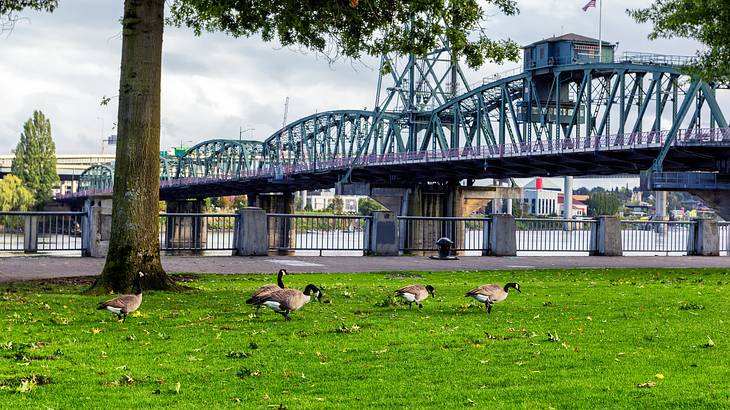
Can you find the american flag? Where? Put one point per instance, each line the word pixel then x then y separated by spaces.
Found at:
pixel 590 4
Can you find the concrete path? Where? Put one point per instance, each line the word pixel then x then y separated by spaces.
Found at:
pixel 45 267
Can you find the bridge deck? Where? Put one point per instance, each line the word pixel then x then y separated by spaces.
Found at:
pixel 624 154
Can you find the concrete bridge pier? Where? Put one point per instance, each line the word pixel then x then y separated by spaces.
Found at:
pixel 185 235
pixel 567 202
pixel 282 233
pixel 441 200
pixel 660 205
pixel 717 200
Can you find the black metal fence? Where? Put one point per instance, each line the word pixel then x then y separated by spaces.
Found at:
pixel 42 231
pixel 420 233
pixel 658 237
pixel 301 232
pixel 350 235
pixel 557 235
pixel 197 232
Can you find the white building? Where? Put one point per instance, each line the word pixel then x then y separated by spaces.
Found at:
pixel 540 197
pixel 68 166
pixel 323 200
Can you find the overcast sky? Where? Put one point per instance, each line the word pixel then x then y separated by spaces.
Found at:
pixel 64 63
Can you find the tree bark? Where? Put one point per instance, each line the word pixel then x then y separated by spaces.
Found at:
pixel 134 243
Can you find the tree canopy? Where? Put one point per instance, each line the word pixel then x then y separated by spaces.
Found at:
pixel 352 28
pixel 365 206
pixel 35 158
pixel 707 21
pixel 14 196
pixel 604 203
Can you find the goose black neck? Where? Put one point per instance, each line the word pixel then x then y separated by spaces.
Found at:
pixel 309 289
pixel 279 280
pixel 137 285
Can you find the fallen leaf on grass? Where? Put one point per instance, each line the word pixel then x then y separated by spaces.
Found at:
pixel 659 376
pixel 646 385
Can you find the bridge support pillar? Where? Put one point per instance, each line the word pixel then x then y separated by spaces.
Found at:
pixel 280 230
pixel 568 198
pixel 185 235
pixel 251 199
pixel 251 233
pixel 717 200
pixel 609 236
pixel 97 227
pixel 660 203
pixel 707 238
pixel 450 200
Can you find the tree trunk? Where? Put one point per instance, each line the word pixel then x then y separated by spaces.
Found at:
pixel 134 243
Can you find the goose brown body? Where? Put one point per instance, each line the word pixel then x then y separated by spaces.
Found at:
pixel 125 304
pixel 415 293
pixel 490 294
pixel 265 290
pixel 284 301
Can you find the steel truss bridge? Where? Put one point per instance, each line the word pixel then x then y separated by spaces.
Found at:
pixel 577 119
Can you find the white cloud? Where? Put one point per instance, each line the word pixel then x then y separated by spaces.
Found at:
pixel 63 63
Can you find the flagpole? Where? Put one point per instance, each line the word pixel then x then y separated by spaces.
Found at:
pixel 600 39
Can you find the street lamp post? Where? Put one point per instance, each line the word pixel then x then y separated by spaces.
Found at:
pixel 241 131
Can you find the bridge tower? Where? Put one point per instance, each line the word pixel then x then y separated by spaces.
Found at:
pixel 412 86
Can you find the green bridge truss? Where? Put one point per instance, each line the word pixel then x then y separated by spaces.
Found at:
pixel 429 107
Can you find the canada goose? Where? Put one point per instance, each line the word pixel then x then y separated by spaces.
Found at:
pixel 125 304
pixel 267 289
pixel 415 293
pixel 491 294
pixel 283 301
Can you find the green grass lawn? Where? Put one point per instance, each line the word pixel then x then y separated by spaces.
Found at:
pixel 577 338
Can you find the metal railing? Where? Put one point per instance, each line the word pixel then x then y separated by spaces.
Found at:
pixel 723 230
pixel 197 232
pixel 557 235
pixel 301 232
pixel 42 231
pixel 649 139
pixel 634 57
pixel 420 233
pixel 658 237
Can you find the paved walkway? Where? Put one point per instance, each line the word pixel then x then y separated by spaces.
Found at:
pixel 45 267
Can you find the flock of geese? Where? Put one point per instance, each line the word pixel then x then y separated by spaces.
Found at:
pixel 284 300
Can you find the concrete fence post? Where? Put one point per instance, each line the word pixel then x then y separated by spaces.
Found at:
pixel 251 233
pixel 706 238
pixel 30 234
pixel 503 235
pixel 609 236
pixel 97 226
pixel 384 238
